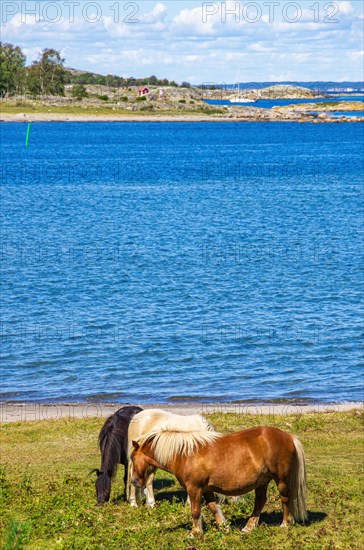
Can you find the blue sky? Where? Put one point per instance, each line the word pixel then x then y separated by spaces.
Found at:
pixel 262 40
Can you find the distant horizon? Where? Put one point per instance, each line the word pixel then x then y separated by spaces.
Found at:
pixel 356 83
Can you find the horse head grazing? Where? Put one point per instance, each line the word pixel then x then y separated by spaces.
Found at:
pixel 143 465
pixel 103 486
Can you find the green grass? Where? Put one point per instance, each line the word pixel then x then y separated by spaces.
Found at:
pixel 48 500
pixel 34 108
pixel 355 104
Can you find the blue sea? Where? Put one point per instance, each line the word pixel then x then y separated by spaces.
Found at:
pixel 160 262
pixel 337 114
pixel 269 103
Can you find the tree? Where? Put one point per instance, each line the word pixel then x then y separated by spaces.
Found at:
pixel 185 85
pixel 100 80
pixel 79 91
pixel 12 62
pixel 47 76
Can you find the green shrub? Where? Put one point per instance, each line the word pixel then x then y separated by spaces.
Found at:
pixel 79 91
pixel 104 97
pixel 141 98
pixel 182 101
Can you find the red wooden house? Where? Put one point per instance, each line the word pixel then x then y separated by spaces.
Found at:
pixel 143 90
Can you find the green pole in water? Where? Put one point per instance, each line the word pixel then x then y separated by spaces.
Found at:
pixel 27 136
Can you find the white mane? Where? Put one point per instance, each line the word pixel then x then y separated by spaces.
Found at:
pixel 169 443
pixel 156 420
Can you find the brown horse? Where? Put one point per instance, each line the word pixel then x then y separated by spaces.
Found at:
pixel 232 464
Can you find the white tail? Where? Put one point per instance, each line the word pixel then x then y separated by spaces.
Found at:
pixel 297 484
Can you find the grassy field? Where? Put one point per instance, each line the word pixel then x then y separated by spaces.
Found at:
pixel 79 109
pixel 48 500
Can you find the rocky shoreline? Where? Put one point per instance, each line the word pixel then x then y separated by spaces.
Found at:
pixel 169 104
pixel 244 115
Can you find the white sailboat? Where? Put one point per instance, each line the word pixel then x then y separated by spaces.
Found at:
pixel 239 99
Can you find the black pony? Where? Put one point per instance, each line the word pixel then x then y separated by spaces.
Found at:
pixel 113 443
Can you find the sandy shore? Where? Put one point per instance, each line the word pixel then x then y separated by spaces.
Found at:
pixel 51 117
pixel 44 117
pixel 21 412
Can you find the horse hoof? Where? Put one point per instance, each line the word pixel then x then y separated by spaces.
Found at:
pixel 133 505
pixel 151 504
pixel 193 535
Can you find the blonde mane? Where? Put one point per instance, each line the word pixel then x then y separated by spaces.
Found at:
pixel 155 420
pixel 168 443
pixel 150 422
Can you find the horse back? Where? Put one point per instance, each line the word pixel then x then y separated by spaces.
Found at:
pixel 264 445
pixel 239 462
pixel 114 433
pixel 266 438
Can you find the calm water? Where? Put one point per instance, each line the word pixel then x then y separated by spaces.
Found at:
pixel 269 103
pixel 165 261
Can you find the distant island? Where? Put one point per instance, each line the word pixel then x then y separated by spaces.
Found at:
pixel 47 90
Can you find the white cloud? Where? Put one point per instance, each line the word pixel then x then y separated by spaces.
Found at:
pixel 357 55
pixel 345 7
pixel 158 14
pixel 259 47
pixel 174 35
pixel 189 22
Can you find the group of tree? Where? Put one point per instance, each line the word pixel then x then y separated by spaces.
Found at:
pixel 12 69
pixel 114 81
pixel 48 76
pixel 45 76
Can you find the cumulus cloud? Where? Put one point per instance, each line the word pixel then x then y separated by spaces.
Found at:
pixel 157 15
pixel 345 7
pixel 189 22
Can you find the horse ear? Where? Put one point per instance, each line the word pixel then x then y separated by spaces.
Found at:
pixel 136 445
